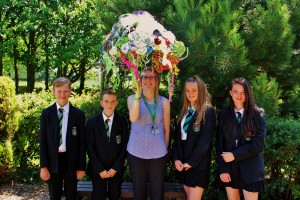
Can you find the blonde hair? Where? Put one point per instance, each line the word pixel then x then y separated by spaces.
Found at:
pixel 202 103
pixel 61 81
pixel 157 78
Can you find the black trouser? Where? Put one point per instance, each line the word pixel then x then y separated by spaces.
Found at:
pixel 110 187
pixel 147 170
pixel 63 176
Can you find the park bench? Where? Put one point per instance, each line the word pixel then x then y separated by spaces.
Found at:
pixel 172 190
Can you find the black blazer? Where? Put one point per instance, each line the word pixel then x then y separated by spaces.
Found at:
pixel 197 148
pixel 75 139
pixel 249 153
pixel 103 154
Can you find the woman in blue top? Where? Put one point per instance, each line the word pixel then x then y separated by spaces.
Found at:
pixel 149 137
pixel 240 141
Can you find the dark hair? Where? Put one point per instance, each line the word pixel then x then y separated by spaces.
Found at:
pixel 249 122
pixel 107 91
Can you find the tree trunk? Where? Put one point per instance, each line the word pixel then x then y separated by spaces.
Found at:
pixel 15 52
pixel 47 65
pixel 1 56
pixel 82 74
pixel 31 62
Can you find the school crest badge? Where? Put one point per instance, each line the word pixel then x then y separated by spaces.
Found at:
pixel 118 139
pixel 74 131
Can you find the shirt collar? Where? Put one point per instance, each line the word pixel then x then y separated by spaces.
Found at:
pixel 191 108
pixel 241 111
pixel 66 107
pixel 110 118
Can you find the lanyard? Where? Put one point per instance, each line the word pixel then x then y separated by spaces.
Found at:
pixel 152 114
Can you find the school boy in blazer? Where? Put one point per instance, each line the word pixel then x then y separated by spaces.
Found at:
pixel 107 137
pixel 62 143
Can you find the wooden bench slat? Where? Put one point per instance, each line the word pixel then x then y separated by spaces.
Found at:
pixel 171 190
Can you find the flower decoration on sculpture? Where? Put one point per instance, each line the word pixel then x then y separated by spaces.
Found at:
pixel 138 40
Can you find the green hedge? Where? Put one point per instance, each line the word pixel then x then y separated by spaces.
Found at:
pixel 282 150
pixel 8 124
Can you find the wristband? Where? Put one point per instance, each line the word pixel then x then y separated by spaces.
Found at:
pixel 137 98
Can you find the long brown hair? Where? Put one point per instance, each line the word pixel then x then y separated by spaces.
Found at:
pixel 202 103
pixel 249 122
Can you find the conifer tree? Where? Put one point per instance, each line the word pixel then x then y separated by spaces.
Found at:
pixel 267 94
pixel 269 38
pixel 217 52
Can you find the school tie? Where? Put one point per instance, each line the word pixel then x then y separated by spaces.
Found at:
pixel 188 119
pixel 107 129
pixel 60 122
pixel 239 118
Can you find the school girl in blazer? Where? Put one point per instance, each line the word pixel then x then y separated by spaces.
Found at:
pixel 106 154
pixel 192 144
pixel 240 141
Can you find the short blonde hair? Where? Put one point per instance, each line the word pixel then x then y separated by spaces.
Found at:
pixel 61 81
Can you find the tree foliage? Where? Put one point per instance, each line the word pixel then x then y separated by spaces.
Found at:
pixel 8 124
pixel 267 94
pixel 268 36
pixel 217 51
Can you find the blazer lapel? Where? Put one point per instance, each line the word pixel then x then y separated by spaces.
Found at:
pixel 101 125
pixel 113 127
pixel 55 117
pixel 191 124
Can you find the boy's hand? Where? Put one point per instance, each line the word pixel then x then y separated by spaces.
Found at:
pixel 80 174
pixel 111 172
pixel 178 165
pixel 104 174
pixel 44 174
pixel 186 166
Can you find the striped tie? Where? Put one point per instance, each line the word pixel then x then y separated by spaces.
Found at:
pixel 239 118
pixel 107 129
pixel 187 119
pixel 60 122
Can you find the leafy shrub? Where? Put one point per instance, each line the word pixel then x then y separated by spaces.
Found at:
pixel 8 104
pixel 291 105
pixel 8 124
pixel 6 161
pixel 26 138
pixel 282 149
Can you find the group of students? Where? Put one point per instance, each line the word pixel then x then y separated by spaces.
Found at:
pixel 240 133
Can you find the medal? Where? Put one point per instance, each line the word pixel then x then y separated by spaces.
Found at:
pixel 154 129
pixel 196 127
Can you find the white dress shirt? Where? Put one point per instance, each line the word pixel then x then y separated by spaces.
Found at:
pixel 62 147
pixel 183 133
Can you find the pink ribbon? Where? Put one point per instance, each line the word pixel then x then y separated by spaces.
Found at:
pixel 131 66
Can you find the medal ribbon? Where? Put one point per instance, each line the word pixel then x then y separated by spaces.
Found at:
pixel 152 114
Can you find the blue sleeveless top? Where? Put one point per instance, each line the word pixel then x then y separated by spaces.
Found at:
pixel 142 142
